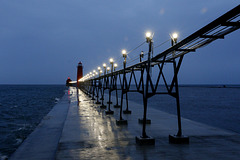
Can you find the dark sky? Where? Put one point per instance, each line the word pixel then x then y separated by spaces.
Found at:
pixel 41 41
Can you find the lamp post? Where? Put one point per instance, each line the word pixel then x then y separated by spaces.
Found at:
pixel 103 87
pixel 124 85
pixel 174 37
pixel 115 87
pixel 179 138
pixel 99 85
pixel 144 139
pixel 115 66
pixel 104 66
pixel 93 84
pixel 109 111
pixel 121 121
pixel 108 69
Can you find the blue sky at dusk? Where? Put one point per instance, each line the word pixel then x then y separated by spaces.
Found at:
pixel 41 41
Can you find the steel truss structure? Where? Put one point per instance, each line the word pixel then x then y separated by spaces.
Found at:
pixel 139 75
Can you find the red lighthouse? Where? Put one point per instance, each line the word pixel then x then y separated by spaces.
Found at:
pixel 79 72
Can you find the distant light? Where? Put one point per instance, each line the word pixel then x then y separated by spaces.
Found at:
pixel 74 81
pixel 108 68
pixel 104 65
pixel 111 60
pixel 174 35
pixel 100 71
pixel 94 71
pixel 115 65
pixel 99 68
pixel 90 73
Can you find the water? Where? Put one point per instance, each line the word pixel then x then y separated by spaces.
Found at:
pixel 22 107
pixel 217 106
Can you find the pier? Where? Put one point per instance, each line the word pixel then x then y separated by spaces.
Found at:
pixel 147 75
pixel 88 133
pixel 93 122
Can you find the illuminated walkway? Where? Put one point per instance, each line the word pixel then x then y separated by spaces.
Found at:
pixel 89 134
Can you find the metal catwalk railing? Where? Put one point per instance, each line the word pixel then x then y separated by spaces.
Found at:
pixel 141 74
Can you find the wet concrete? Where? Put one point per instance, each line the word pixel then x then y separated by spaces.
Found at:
pixel 90 134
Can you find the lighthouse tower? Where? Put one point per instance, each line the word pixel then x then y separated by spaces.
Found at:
pixel 79 72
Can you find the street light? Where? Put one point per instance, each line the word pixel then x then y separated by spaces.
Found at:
pixel 115 66
pixel 124 53
pixel 108 69
pixel 104 66
pixel 174 38
pixel 99 69
pixel 148 36
pixel 111 61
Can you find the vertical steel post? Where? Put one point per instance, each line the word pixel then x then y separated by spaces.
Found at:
pixel 177 101
pixel 103 88
pixel 179 138
pixel 123 85
pixel 93 88
pixel 125 88
pixel 145 93
pixel 109 111
pixel 116 88
pixel 121 121
pixel 98 88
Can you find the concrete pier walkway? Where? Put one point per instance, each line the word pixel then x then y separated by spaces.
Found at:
pixel 87 133
pixel 90 134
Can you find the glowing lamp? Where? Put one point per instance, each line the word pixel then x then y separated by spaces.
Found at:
pixel 104 65
pixel 124 53
pixel 174 35
pixel 111 60
pixel 148 35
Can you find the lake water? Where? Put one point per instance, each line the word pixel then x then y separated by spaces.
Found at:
pixel 22 107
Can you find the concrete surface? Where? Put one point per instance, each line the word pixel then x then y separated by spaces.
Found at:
pixel 90 134
pixel 42 143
